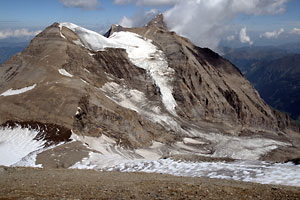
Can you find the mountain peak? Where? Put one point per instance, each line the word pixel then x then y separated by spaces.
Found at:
pixel 158 21
pixel 114 28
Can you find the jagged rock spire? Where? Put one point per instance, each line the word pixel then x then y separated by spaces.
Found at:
pixel 158 20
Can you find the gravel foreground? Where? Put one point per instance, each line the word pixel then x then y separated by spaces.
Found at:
pixel 32 183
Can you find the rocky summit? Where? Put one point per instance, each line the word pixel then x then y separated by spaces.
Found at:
pixel 75 98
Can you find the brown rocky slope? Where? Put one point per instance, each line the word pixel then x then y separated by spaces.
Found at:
pixel 28 183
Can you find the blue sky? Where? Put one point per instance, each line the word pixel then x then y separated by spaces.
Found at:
pixel 98 15
pixel 39 14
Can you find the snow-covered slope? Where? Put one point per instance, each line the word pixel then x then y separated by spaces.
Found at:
pixel 17 143
pixel 141 53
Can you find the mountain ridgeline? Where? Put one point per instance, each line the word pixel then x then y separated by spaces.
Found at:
pixel 138 86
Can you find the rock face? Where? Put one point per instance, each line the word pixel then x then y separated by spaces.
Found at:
pixel 180 93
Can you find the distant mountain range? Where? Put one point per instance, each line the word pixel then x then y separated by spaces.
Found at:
pixel 275 73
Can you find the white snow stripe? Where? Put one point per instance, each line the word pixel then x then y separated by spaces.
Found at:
pixel 65 73
pixel 61 35
pixel 18 91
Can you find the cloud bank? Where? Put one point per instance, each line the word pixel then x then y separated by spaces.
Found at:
pixel 147 2
pixel 206 22
pixel 18 33
pixel 83 4
pixel 230 38
pixel 139 19
pixel 296 31
pixel 273 34
pixel 210 20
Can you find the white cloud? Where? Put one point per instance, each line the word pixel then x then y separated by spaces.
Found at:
pixel 296 31
pixel 147 2
pixel 244 38
pixel 83 4
pixel 230 38
pixel 18 33
pixel 122 2
pixel 205 22
pixel 139 19
pixel 273 34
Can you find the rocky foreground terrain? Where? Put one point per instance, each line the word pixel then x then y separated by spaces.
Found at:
pixel 29 183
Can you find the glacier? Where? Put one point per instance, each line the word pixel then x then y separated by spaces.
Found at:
pixel 141 52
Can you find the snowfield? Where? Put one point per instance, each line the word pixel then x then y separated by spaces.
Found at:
pixel 254 171
pixel 18 147
pixel 11 92
pixel 106 155
pixel 141 53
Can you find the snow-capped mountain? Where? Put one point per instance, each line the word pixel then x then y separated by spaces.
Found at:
pixel 134 94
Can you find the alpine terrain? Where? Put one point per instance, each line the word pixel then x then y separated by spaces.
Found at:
pixel 139 99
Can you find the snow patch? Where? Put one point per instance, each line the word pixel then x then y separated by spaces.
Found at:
pixel 84 81
pixel 151 153
pixel 78 42
pixel 65 73
pixel 131 99
pixel 192 141
pixel 78 111
pixel 61 35
pixel 17 143
pixel 90 39
pixel 86 70
pixel 18 91
pixel 107 153
pixel 245 148
pixel 136 100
